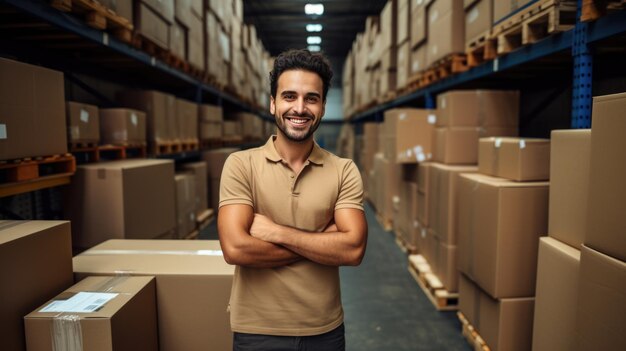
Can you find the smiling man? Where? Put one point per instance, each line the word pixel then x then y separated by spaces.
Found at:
pixel 290 214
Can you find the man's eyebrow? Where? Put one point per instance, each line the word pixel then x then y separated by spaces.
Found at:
pixel 288 92
pixel 314 94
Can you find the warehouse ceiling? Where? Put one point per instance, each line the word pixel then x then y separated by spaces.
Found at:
pixel 281 24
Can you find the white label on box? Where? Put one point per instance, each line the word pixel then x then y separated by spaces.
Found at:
pixel 497 143
pixel 3 131
pixel 83 302
pixel 416 66
pixel 432 119
pixel 522 144
pixel 496 65
pixel 133 119
pixel 434 16
pixel 84 115
pixel 402 116
pixel 473 15
pixel 105 39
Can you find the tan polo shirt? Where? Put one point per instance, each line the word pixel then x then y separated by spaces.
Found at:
pixel 302 298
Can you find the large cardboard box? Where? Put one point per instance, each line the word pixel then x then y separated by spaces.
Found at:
pixel 196 38
pixel 179 40
pixel 111 200
pixel 446 266
pixel 153 25
pixel 418 34
pixel 83 123
pixel 499 225
pixel 503 9
pixel 423 195
pixel 160 109
pixel 403 68
pixel 199 171
pixel 388 26
pixel 504 324
pixel 569 185
pixel 210 113
pixel 403 29
pixel 473 108
pixel 187 118
pixel 459 145
pixel 414 135
pixel 606 223
pixel 446 29
pixel 478 20
pixel 182 11
pixel 211 130
pixel 116 324
pixel 443 206
pixel 193 286
pixel 35 264
pixel 32 111
pixel 601 317
pixel 418 59
pixel 165 8
pixel 185 204
pixel 122 126
pixel 215 160
pixel 121 8
pixel 520 159
pixel 556 300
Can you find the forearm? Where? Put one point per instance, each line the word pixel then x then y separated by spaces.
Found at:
pixel 256 253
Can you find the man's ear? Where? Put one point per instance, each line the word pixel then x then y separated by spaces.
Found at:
pixel 272 105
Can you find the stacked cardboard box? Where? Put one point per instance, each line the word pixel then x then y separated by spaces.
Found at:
pixel 418 45
pixel 201 194
pixel 83 123
pixel 122 126
pixel 185 204
pixel 210 122
pixel 405 209
pixel 187 120
pixel 215 160
pixel 445 29
pixel 347 80
pixel 192 286
pixel 251 125
pixel 388 46
pixel 35 265
pixel 478 19
pixel 152 19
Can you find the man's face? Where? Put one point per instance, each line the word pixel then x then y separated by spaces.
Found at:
pixel 298 107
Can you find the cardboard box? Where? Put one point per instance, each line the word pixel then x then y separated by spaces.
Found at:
pixel 556 300
pixel 423 176
pixel 569 185
pixel 459 145
pixel 211 130
pixel 121 8
pixel 520 159
pixel 430 243
pixel 403 69
pixel 32 111
pixel 388 25
pixel 418 59
pixel 499 225
pixel 601 313
pixel 419 26
pixel 122 126
pixel 196 37
pixel 215 160
pixel 473 108
pixel 503 9
pixel 111 200
pixel 468 298
pixel 210 113
pixel 414 135
pixel 182 11
pixel 199 171
pixel 153 25
pixel 179 40
pixel 447 272
pixel 251 125
pixel 423 196
pixel 445 29
pixel 83 123
pixel 187 118
pixel 232 129
pixel 478 20
pixel 606 223
pixel 403 22
pixel 185 204
pixel 160 109
pixel 193 286
pixel 443 198
pixel 165 8
pixel 116 325
pixel 35 264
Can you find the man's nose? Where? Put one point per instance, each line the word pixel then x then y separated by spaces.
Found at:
pixel 298 106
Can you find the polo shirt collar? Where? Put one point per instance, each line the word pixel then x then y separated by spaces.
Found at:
pixel 269 149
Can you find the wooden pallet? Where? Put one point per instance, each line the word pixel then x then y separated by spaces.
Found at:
pixel 107 152
pixel 189 145
pixel 143 43
pixel 26 169
pixel 431 285
pixel 534 23
pixel 471 335
pixel 165 147
pixel 81 145
pixel 594 9
pixel 403 245
pixel 386 97
pixel 481 49
pixel 211 144
pixel 97 16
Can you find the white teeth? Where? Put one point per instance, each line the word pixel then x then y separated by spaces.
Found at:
pixel 298 121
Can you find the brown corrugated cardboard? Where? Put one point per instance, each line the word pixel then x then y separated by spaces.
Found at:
pixel 113 200
pixel 152 25
pixel 419 26
pixel 128 317
pixel 606 223
pixel 193 286
pixel 499 224
pixel 478 19
pixel 83 122
pixel 179 40
pixel 556 299
pixel 601 316
pixel 520 159
pixel 447 272
pixel 569 185
pixel 472 108
pixel 35 264
pixel 160 109
pixel 122 126
pixel 423 176
pixel 121 8
pixel 187 118
pixel 423 197
pixel 199 170
pixel 232 129
pixel 429 247
pixel 414 135
pixel 251 125
pixel 418 59
pixel 215 161
pixel 182 11
pixel 502 9
pixel 32 111
pixel 211 130
pixel 443 206
pixel 388 25
pixel 445 29
pixel 403 22
pixel 403 69
pixel 211 113
pixel 459 145
pixel 165 8
pixel 185 204
pixel 468 298
pixel 195 51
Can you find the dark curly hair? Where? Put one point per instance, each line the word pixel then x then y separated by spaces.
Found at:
pixel 301 59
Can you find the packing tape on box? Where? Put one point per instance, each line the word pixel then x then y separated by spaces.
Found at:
pixel 154 252
pixel 67 334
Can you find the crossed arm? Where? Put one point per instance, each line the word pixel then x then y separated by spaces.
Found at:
pixel 254 240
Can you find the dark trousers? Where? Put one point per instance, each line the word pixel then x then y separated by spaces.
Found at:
pixel 334 340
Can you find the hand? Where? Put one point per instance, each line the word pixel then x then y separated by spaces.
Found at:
pixel 263 228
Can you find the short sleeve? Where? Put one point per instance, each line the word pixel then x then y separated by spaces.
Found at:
pixel 351 189
pixel 235 182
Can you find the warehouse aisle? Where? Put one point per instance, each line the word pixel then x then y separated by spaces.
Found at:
pixel 385 309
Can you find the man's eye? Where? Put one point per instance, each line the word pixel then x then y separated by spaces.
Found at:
pixel 312 99
pixel 289 97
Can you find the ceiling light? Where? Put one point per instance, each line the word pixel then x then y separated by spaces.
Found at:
pixel 314 48
pixel 313 27
pixel 314 40
pixel 314 9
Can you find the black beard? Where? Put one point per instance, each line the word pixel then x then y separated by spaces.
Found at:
pixel 299 139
